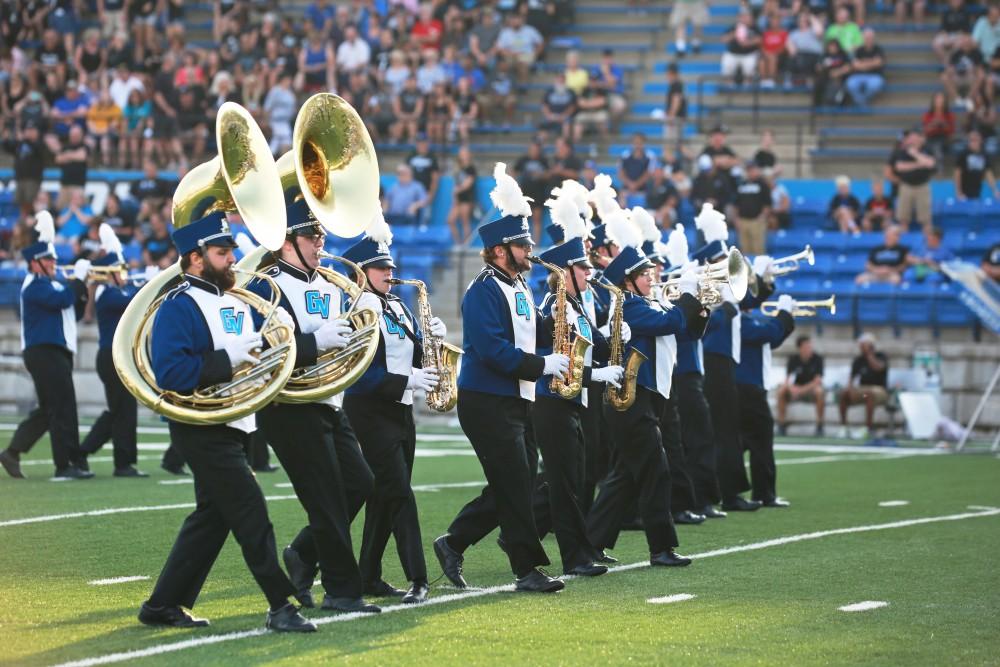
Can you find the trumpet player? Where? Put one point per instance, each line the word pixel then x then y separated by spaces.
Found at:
pixel 641 469
pixel 314 441
pixel 50 309
pixel 380 407
pixel 200 336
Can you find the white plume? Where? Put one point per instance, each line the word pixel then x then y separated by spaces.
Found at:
pixel 677 246
pixel 45 226
pixel 244 243
pixel 603 196
pixel 578 193
pixel 621 230
pixel 507 195
pixel 378 229
pixel 109 240
pixel 566 215
pixel 646 223
pixel 712 224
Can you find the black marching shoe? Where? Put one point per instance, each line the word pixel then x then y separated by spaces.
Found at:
pixel 587 570
pixel 418 593
pixel 130 471
pixel 740 504
pixel 175 470
pixel 301 575
pixel 710 512
pixel 11 463
pixel 603 557
pixel 451 562
pixel 349 605
pixel 537 581
pixel 174 617
pixel 383 589
pixel 777 501
pixel 72 472
pixel 267 467
pixel 288 619
pixel 689 518
pixel 668 558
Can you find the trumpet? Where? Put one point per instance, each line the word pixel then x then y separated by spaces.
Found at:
pixel 95 274
pixel 712 277
pixel 802 308
pixel 785 265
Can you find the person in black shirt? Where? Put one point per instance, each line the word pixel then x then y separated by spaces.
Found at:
pixel 991 262
pixel 833 67
pixel 965 71
pixel 803 382
pixel 765 157
pixel 165 111
pixel 912 169
pixel 722 155
pixel 886 262
pixel 844 208
pixel 150 190
pixel 955 23
pixel 29 161
pixel 973 167
pixel 534 177
pixel 426 170
pixel 868 383
pixel 661 197
pixel 50 56
pixel 742 50
pixel 753 203
pixel 866 79
pixel 464 192
pixel 712 185
pixel 558 108
pixel 565 164
pixel 676 105
pixel 72 159
pixel 408 107
pixel 878 208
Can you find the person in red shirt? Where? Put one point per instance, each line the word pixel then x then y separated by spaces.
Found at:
pixel 939 125
pixel 427 30
pixel 772 50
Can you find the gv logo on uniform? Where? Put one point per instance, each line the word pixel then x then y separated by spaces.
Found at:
pixel 521 305
pixel 392 327
pixel 232 322
pixel 583 326
pixel 318 304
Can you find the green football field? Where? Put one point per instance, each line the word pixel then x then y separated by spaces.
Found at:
pixel 917 532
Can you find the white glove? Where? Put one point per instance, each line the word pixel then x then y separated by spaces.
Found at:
pixel 333 334
pixel 728 296
pixel 437 327
pixel 626 332
pixel 786 303
pixel 610 374
pixel 282 316
pixel 423 378
pixel 151 272
pixel 556 365
pixel 762 265
pixel 688 283
pixel 81 269
pixel 239 348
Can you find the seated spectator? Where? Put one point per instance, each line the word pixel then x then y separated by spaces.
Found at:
pixel 122 221
pixel 711 185
pixel 30 152
pixel 925 260
pixel 877 212
pixel 467 70
pixel 521 44
pixel 939 126
pixel 984 120
pixel 405 199
pixel 753 204
pixel 991 263
pixel 90 59
pixel 408 110
pixel 965 72
pixel 430 73
pixel 150 191
pixel 427 31
pixel 464 197
pixel 772 51
pixel 740 58
pixel 577 78
pixel 104 125
pixel 844 31
pixel 886 262
pixel 805 48
pixel 634 169
pixel 765 157
pixel 70 109
pixel 483 38
pixel 803 382
pixel 986 31
pixel 280 107
pixel 73 220
pixel 88 244
pixel 317 64
pixel 50 56
pixel 440 110
pixel 844 209
pixel 780 214
pixel 868 382
pixel 466 109
pixel 592 114
pixel 192 125
pixel 684 12
pixel 992 78
pixel 833 69
pixel 565 163
pixel 972 168
pixel 533 175
pixel 661 197
pixel 675 107
pixel 157 248
pixel 396 74
pixel 866 79
pixel 378 115
pixel 498 96
pixel 608 76
pixel 722 155
pixel 913 167
pixel 72 159
pixel 354 53
pixel 955 24
pixel 917 8
pixel 558 108
pixel 123 85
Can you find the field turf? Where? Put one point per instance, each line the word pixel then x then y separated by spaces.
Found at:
pixel 766 587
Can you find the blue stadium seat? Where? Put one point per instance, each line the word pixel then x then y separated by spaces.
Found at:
pixel 875 303
pixel 827 242
pixel 849 264
pixel 801 287
pixel 914 304
pixel 863 241
pixel 844 291
pixel 949 311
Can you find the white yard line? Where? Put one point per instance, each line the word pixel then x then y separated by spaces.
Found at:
pixel 117 580
pixel 182 480
pixel 160 649
pixel 893 503
pixel 853 449
pixel 668 599
pixel 867 605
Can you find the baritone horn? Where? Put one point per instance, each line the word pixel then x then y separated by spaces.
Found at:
pixel 732 271
pixel 802 308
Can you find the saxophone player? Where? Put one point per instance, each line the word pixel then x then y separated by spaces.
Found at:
pixel 380 407
pixel 314 441
pixel 640 468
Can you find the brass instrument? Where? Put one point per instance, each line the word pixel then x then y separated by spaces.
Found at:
pixel 95 274
pixel 620 398
pixel 571 385
pixel 732 271
pixel 438 354
pixel 785 265
pixel 802 308
pixel 242 178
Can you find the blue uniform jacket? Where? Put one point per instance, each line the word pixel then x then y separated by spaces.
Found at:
pixel 109 307
pixel 491 363
pixel 42 303
pixel 688 356
pixel 377 380
pixel 599 352
pixel 759 331
pixel 646 323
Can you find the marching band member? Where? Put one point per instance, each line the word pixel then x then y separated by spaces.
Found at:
pixel 496 389
pixel 760 335
pixel 380 407
pixel 640 468
pixel 118 422
pixel 49 312
pixel 558 422
pixel 200 336
pixel 314 441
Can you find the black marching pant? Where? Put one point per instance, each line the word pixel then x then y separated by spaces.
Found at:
pixel 388 440
pixel 757 425
pixel 497 428
pixel 596 438
pixel 172 457
pixel 682 489
pixel 724 402
pixel 51 369
pixel 560 436
pixel 697 437
pixel 118 422
pixel 228 500
pixel 303 438
pixel 640 471
pixel 257 451
pixel 350 480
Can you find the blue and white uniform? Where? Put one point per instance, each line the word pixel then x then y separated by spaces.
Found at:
pixel 49 311
pixel 399 350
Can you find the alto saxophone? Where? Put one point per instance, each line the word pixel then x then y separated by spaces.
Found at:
pixel 621 399
pixel 438 354
pixel 576 349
